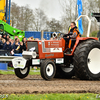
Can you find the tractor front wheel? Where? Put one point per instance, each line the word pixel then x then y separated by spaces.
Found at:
pixel 48 69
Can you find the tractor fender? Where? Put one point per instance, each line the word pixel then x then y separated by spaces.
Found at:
pixel 80 40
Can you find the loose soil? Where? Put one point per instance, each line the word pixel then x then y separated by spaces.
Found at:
pixel 35 84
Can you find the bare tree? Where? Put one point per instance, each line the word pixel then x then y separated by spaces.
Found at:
pixel 54 25
pixel 68 8
pixel 22 17
pixel 89 6
pixel 14 14
pixel 28 18
pixel 40 20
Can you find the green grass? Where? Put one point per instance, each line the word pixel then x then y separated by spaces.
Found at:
pixel 34 73
pixel 87 96
pixel 10 71
pixel 6 72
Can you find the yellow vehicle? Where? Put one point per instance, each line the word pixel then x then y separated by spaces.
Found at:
pixel 5 10
pixel 5 21
pixel 2 9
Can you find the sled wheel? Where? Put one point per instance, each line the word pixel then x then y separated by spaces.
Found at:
pixel 22 73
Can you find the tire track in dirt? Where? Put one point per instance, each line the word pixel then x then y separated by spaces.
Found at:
pixel 35 84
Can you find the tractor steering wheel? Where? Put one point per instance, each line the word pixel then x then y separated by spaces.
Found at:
pixel 66 36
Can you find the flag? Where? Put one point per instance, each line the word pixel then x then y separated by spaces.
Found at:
pixel 80 27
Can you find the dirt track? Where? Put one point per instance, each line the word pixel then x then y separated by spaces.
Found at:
pixel 35 84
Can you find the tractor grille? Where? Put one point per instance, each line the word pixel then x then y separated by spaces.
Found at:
pixel 32 44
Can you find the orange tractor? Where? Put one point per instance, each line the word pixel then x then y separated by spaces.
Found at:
pixel 54 61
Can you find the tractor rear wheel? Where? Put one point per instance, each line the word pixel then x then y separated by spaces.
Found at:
pixel 87 60
pixel 65 71
pixel 48 69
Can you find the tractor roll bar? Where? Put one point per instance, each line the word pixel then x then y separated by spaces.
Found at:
pixel 89 25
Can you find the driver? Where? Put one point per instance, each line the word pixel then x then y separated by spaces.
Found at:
pixel 72 34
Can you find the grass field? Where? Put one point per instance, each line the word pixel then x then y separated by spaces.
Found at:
pixel 71 96
pixel 10 70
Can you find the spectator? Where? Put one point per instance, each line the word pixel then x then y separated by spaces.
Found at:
pixel 12 42
pixel 15 37
pixel 24 42
pixel 9 40
pixel 16 47
pixel 3 43
pixel 31 38
pixel 7 47
pixel 44 39
pixel 12 45
pixel 0 37
pixel 8 37
pixel 16 40
pixel 0 41
pixel 4 36
pixel 36 39
pixel 22 47
pixel 51 38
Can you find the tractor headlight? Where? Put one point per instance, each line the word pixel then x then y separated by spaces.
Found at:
pixel 34 55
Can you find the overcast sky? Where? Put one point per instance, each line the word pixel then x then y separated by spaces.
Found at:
pixel 51 8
